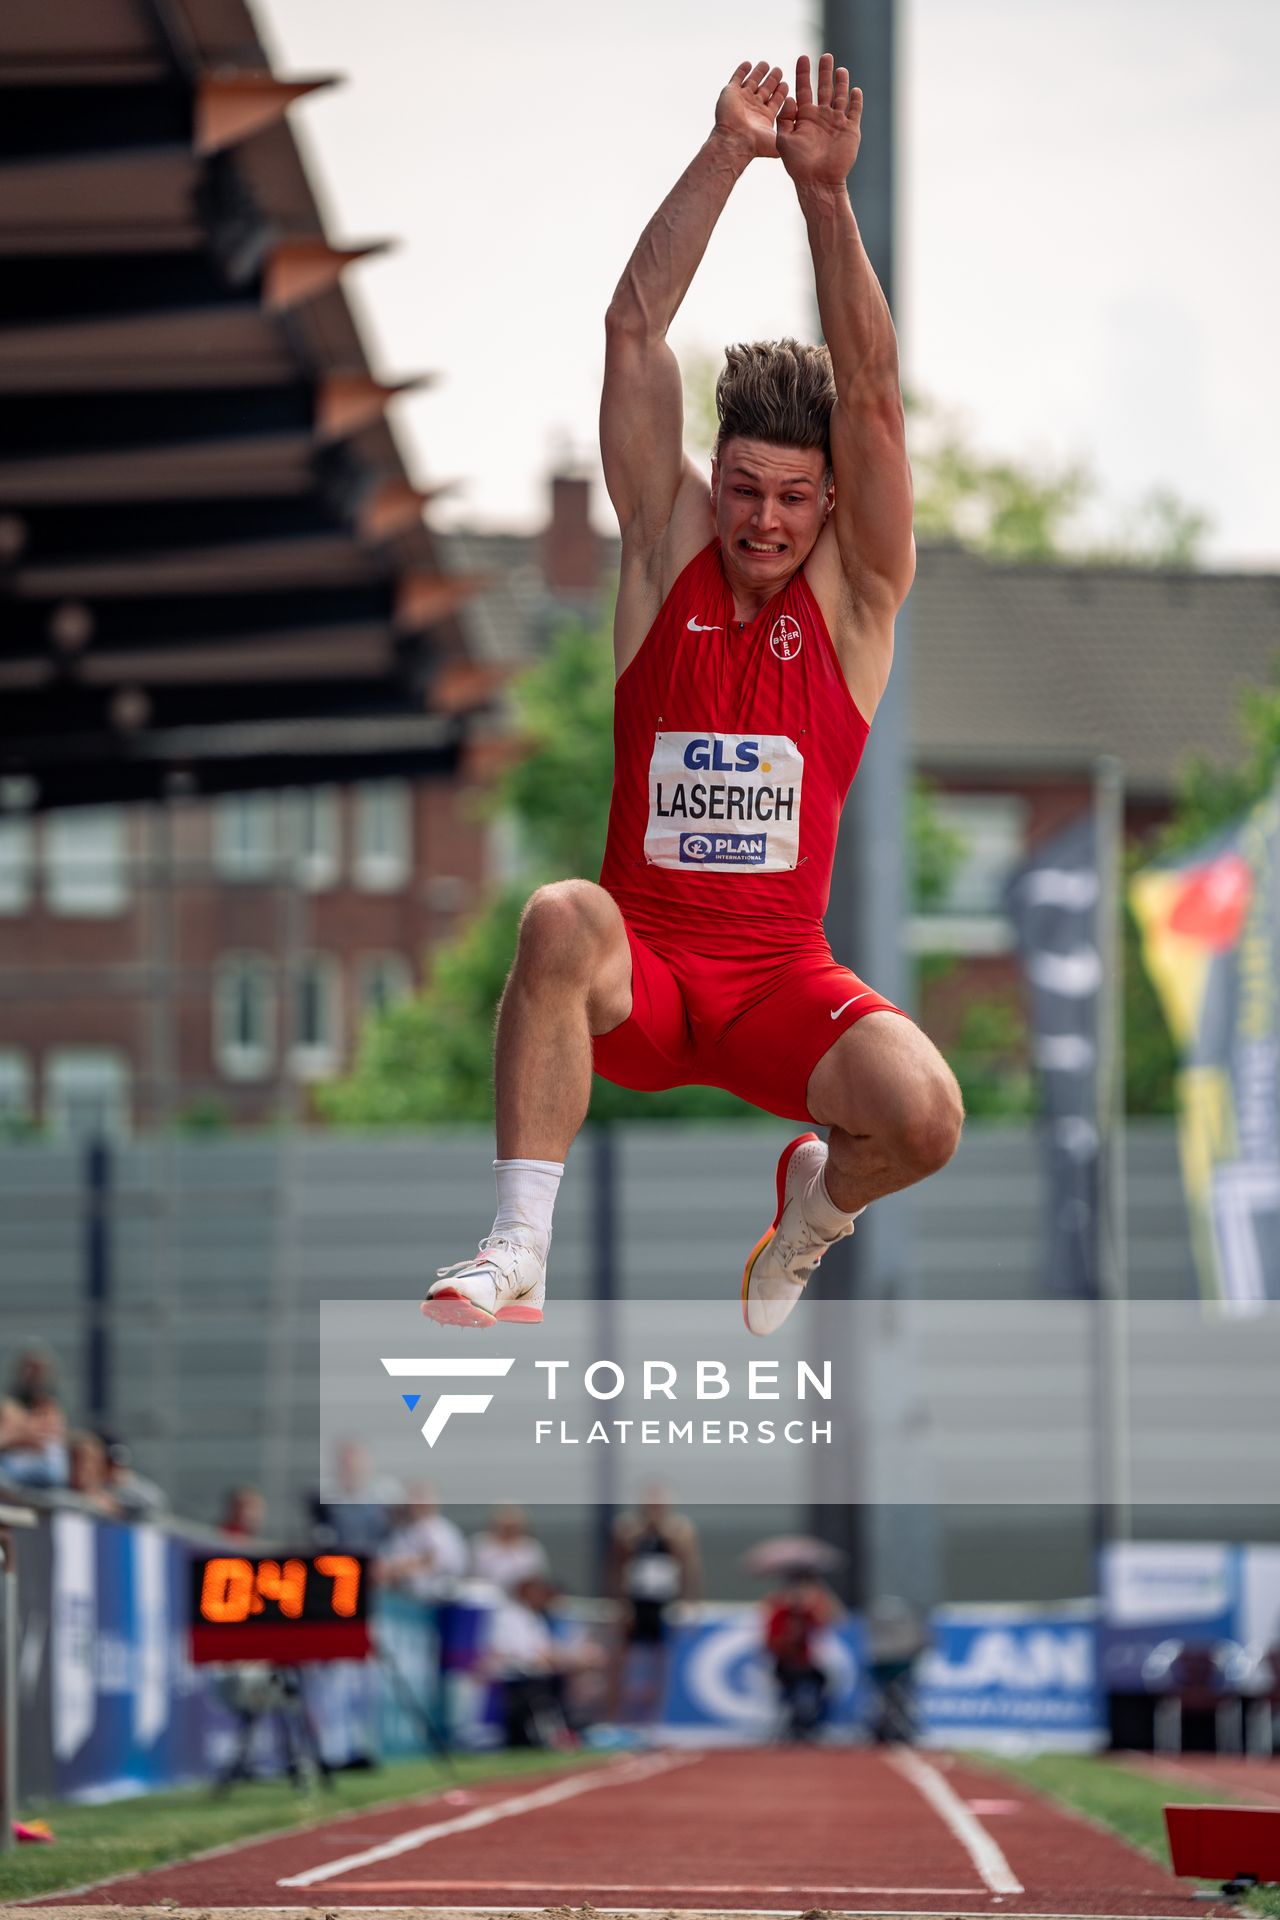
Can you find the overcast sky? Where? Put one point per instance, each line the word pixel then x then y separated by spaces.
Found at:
pixel 1087 221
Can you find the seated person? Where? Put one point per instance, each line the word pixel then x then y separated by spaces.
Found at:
pixel 33 1443
pixel 532 1668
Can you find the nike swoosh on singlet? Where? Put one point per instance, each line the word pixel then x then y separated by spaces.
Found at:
pixel 695 628
pixel 849 1003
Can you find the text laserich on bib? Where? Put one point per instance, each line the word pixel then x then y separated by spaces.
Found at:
pixel 735 744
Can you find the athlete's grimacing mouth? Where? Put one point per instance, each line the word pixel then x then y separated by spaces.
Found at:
pixel 759 546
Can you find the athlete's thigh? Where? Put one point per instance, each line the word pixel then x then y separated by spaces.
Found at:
pixel 650 1048
pixel 768 1052
pixel 877 1076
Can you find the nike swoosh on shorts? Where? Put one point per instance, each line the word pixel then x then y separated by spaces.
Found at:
pixel 849 1003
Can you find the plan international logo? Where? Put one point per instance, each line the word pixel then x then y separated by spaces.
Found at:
pixel 656 1381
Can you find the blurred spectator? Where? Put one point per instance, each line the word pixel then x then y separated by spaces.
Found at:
pixel 358 1519
pixel 507 1553
pixel 33 1443
pixel 532 1669
pixel 654 1562
pixel 35 1377
pixel 896 1638
pixel 427 1553
pixel 801 1609
pixel 88 1473
pixel 136 1498
pixel 244 1513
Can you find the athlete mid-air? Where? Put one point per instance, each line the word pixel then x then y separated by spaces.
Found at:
pixel 753 641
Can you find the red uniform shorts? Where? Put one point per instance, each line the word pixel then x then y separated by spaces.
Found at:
pixel 755 1027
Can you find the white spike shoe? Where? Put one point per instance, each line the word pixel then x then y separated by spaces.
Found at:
pixel 781 1263
pixel 504 1280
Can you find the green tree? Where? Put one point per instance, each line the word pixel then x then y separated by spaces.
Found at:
pixel 1035 510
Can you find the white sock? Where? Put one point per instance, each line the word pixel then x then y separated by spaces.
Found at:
pixel 821 1211
pixel 526 1197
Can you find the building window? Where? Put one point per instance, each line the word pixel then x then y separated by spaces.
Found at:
pixel 315 1035
pixel 244 836
pixel 87 1093
pixel 384 979
pixel 244 1016
pixel 970 917
pixel 312 818
pixel 85 860
pixel 15 1092
pixel 17 864
pixel 384 849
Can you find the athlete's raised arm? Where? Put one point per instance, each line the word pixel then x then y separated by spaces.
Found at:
pixel 818 142
pixel 653 490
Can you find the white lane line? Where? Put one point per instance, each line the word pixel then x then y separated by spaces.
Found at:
pixel 968 1830
pixel 625 1775
pixel 805 1887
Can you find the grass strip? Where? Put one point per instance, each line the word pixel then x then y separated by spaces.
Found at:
pixel 128 1836
pixel 1129 1802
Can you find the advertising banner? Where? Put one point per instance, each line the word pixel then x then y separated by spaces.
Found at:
pixel 35 1666
pixel 1211 942
pixel 1202 1593
pixel 1053 903
pixel 127 1710
pixel 721 1685
pixel 1018 1679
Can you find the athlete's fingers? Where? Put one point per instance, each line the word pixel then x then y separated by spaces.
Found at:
pixel 825 66
pixel 776 98
pixel 756 75
pixel 769 82
pixel 854 109
pixel 804 91
pixel 740 72
pixel 840 91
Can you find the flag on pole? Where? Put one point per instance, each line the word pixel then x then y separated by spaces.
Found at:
pixel 1210 926
pixel 1053 901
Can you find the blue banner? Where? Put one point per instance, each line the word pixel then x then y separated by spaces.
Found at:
pixel 128 1712
pixel 1013 1677
pixel 720 1682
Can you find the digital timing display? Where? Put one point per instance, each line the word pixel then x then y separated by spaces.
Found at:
pixel 301 1608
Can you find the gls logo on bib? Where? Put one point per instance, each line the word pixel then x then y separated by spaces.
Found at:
pixel 701 784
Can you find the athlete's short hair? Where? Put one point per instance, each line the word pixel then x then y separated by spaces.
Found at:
pixel 779 391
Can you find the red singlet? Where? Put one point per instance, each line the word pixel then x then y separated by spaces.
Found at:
pixel 735 744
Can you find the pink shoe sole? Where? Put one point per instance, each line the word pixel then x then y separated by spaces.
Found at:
pixel 455 1310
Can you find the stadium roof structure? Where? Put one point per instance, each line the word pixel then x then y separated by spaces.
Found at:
pixel 215 572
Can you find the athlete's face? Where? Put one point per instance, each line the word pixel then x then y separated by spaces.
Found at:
pixel 770 505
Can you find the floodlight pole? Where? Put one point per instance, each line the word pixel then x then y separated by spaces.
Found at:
pixel 1115 1465
pixel 890 1550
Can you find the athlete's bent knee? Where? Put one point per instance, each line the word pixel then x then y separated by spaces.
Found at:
pixel 931 1129
pixel 566 927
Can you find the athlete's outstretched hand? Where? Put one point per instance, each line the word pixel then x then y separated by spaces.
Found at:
pixel 819 139
pixel 748 107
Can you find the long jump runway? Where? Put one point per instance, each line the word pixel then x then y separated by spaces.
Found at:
pixel 742 1831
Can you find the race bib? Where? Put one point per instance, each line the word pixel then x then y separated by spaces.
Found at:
pixel 724 802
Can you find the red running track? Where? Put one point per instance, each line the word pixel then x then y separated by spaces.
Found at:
pixel 761 1830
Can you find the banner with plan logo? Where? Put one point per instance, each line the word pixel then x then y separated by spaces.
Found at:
pixel 1211 942
pixel 1013 1678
